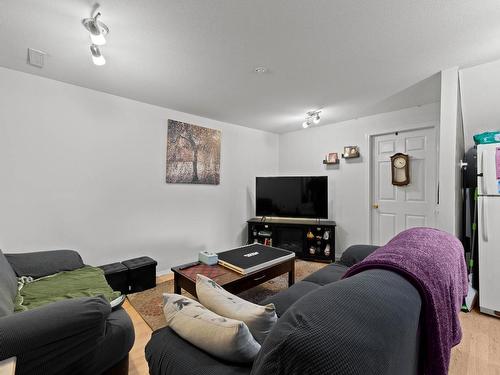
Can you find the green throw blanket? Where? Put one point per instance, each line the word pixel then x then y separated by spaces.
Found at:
pixel 83 282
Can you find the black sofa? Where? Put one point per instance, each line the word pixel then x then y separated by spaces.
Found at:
pixel 74 336
pixel 365 324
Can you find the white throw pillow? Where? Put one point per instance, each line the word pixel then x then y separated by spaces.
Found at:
pixel 224 338
pixel 259 319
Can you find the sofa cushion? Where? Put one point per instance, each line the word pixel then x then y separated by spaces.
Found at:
pixel 8 287
pixel 259 319
pixel 366 324
pixel 284 299
pixel 355 254
pixel 44 263
pixel 328 274
pixel 222 337
pixel 168 354
pixel 84 282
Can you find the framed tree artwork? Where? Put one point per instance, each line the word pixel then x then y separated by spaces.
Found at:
pixel 193 154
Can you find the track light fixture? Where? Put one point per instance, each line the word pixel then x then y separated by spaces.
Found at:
pixel 97 31
pixel 312 117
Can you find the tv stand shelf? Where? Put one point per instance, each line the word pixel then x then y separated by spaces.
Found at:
pixel 309 239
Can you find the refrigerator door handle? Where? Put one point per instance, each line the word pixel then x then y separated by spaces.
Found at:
pixel 484 181
pixel 485 221
pixel 480 162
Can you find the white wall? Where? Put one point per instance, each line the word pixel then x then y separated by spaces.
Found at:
pixel 451 150
pixel 85 170
pixel 480 92
pixel 302 152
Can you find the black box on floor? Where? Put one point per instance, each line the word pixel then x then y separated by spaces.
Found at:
pixel 117 276
pixel 141 273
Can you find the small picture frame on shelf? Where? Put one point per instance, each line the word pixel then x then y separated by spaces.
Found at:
pixel 331 158
pixel 350 152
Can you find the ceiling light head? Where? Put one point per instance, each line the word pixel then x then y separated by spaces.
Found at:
pixel 97 57
pixel 312 117
pixel 316 119
pixel 261 70
pixel 97 30
pixel 98 39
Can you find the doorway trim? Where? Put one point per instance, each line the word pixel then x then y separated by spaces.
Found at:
pixel 369 170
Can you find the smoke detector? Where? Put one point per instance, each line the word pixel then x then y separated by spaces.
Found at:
pixel 36 57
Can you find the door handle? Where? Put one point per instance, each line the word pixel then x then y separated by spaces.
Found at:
pixel 375 205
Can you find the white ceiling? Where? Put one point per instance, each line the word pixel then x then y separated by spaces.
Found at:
pixel 348 57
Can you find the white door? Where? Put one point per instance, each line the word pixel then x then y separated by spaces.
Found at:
pixel 396 208
pixel 489 254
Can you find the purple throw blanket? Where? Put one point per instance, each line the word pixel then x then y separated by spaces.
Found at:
pixel 433 261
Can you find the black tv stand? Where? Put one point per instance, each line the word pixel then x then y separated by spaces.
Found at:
pixel 311 239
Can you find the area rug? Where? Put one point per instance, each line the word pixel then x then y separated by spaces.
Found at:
pixel 149 304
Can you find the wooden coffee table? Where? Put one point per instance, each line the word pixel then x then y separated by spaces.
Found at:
pixel 185 278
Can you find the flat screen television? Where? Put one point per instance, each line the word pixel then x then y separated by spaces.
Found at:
pixel 298 197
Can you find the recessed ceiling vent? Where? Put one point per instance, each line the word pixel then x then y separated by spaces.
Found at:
pixel 36 58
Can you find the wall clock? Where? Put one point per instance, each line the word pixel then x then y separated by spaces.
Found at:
pixel 400 166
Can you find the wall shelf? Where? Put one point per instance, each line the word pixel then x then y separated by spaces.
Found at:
pixel 331 162
pixel 349 157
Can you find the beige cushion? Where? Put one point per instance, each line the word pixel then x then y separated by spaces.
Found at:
pixel 259 319
pixel 224 338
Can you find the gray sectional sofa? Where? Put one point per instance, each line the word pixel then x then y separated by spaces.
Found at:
pixel 74 336
pixel 365 324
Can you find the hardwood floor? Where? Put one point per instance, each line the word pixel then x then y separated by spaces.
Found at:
pixel 477 354
pixel 479 351
pixel 137 360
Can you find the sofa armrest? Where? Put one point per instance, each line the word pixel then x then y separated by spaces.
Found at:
pixel 60 335
pixel 365 324
pixel 355 254
pixel 42 263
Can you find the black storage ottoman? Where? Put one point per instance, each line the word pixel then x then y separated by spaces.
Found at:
pixel 141 273
pixel 117 276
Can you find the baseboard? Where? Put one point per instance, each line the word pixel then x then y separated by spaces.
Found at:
pixel 164 273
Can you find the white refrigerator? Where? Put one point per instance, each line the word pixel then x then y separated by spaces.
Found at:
pixel 488 185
